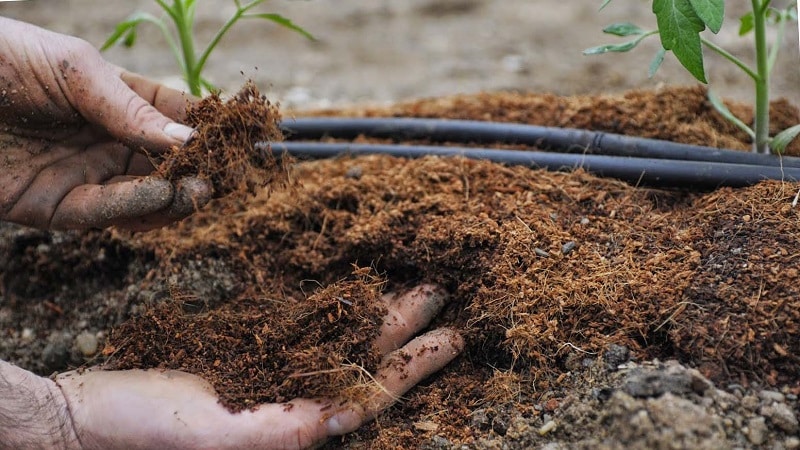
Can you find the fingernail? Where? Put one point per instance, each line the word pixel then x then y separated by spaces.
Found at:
pixel 178 132
pixel 343 422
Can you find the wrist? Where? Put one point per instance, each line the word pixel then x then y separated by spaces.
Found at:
pixel 34 412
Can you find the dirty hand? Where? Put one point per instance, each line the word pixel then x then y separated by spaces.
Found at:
pixel 157 409
pixel 74 130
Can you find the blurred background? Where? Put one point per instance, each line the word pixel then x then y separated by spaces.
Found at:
pixel 380 51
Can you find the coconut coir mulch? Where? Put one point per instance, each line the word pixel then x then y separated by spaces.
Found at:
pixel 542 267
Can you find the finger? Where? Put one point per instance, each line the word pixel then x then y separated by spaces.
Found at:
pixel 408 314
pixel 99 206
pixel 170 102
pixel 400 371
pixel 103 98
pixel 191 194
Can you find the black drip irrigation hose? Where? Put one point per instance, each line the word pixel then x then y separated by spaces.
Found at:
pixel 639 161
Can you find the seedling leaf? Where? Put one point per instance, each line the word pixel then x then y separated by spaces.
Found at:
pixel 130 38
pixel 283 21
pixel 605 3
pixel 712 13
pixel 680 27
pixel 718 104
pixel 126 28
pixel 656 62
pixel 623 29
pixel 784 138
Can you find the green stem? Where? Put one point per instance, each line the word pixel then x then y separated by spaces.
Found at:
pixel 186 39
pixel 240 10
pixel 761 142
pixel 727 55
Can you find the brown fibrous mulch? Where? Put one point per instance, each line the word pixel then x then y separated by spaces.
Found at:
pixel 543 268
pixel 230 147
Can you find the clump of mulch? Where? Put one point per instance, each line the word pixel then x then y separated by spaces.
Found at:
pixel 318 346
pixel 231 144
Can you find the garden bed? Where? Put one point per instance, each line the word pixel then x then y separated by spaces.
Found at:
pixel 568 288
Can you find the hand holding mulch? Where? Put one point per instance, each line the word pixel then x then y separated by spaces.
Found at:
pixel 222 149
pixel 172 409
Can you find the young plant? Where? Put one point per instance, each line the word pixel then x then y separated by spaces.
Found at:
pixel 680 24
pixel 182 40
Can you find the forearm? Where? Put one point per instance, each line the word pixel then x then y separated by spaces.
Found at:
pixel 33 412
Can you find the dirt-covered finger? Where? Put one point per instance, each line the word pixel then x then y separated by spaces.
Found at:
pixel 407 314
pixel 99 206
pixel 191 194
pixel 170 102
pixel 400 371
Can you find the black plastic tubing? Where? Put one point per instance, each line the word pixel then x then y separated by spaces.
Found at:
pixel 636 160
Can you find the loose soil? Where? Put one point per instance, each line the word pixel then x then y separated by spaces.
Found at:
pixel 569 289
pixel 729 308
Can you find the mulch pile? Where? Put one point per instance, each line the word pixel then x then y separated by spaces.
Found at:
pixel 544 268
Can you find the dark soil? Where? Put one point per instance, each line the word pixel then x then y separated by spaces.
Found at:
pixel 557 280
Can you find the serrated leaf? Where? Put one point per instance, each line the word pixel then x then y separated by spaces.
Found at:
pixel 784 138
pixel 680 27
pixel 721 108
pixel 711 12
pixel 623 29
pixel 282 21
pixel 746 23
pixel 655 64
pixel 124 28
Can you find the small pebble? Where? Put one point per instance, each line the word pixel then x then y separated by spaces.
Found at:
pixel 782 416
pixel 547 427
pixel 541 252
pixel 750 402
pixel 756 430
pixel 86 343
pixel 26 335
pixel 792 443
pixel 568 247
pixel 354 172
pixel 771 396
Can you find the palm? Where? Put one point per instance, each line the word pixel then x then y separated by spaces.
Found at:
pixel 51 184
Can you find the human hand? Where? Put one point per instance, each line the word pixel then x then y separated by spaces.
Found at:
pixel 170 409
pixel 74 130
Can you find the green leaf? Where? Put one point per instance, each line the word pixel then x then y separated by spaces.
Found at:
pixel 623 29
pixel 718 104
pixel 784 138
pixel 712 13
pixel 125 28
pixel 746 23
pixel 617 48
pixel 656 62
pixel 130 38
pixel 605 3
pixel 282 21
pixel 680 27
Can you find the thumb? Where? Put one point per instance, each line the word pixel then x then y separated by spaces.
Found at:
pixel 122 112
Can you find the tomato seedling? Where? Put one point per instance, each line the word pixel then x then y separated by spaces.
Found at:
pixel 680 24
pixel 182 40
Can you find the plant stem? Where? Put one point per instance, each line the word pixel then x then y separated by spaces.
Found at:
pixel 240 10
pixel 761 141
pixel 186 38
